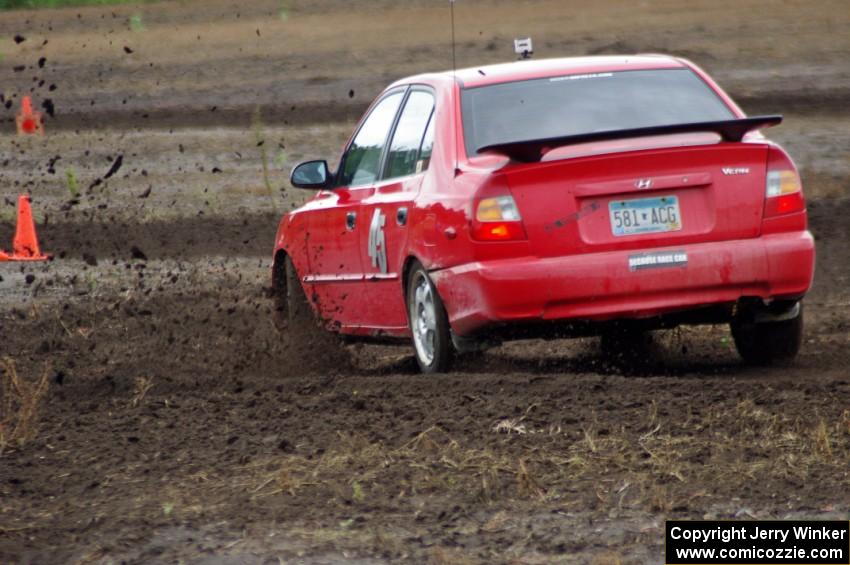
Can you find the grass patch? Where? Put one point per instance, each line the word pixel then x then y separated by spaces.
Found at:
pixel 71 182
pixel 359 471
pixel 665 465
pixel 136 23
pixel 258 127
pixel 20 403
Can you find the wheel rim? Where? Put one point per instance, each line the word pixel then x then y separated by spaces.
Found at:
pixel 423 317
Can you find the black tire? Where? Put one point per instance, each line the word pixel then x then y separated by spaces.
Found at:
pixel 298 308
pixel 312 347
pixel 442 349
pixel 768 343
pixel 290 303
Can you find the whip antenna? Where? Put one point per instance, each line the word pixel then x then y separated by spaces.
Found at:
pixel 454 62
pixel 454 81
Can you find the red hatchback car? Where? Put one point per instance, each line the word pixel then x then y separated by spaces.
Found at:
pixel 551 198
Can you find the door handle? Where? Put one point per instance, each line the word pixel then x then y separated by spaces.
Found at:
pixel 350 220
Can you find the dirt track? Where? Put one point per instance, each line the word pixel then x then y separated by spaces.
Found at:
pixel 179 425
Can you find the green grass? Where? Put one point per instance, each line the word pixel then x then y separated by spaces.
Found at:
pixel 136 23
pixel 259 137
pixel 25 4
pixel 71 182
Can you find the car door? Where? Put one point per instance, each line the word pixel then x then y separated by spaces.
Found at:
pixel 333 236
pixel 383 241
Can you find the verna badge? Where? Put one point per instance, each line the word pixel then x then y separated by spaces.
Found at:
pixel 643 183
pixel 735 170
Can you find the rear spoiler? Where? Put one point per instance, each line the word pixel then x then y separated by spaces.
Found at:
pixel 532 150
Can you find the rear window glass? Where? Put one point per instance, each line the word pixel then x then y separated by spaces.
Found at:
pixel 579 104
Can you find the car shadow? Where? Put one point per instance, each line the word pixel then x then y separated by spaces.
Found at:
pixel 655 358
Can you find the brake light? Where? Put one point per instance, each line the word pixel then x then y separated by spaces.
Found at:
pixel 497 218
pixel 783 190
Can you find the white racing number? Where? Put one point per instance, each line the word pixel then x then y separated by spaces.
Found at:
pixel 377 247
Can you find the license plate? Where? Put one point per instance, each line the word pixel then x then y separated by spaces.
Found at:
pixel 645 215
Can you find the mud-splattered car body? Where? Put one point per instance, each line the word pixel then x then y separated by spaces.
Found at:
pixel 552 197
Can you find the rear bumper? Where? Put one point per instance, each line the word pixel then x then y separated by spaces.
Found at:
pixel 602 286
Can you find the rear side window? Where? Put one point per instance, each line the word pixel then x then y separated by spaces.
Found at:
pixel 404 155
pixel 578 104
pixel 427 146
pixel 364 154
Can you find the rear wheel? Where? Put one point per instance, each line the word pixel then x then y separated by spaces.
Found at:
pixel 769 342
pixel 429 323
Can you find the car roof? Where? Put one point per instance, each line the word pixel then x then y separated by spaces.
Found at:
pixel 541 68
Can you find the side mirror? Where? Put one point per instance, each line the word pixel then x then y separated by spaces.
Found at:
pixel 313 175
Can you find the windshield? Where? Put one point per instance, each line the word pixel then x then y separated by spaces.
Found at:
pixel 579 104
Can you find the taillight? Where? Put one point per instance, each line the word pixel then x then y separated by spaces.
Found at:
pixel 783 189
pixel 497 218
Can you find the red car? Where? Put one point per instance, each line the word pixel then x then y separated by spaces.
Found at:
pixel 562 197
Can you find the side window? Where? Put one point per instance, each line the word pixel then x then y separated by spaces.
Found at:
pixel 427 146
pixel 364 155
pixel 404 155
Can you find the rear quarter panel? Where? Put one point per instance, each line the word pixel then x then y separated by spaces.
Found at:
pixel 438 219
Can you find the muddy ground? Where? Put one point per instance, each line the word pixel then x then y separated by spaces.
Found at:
pixel 177 425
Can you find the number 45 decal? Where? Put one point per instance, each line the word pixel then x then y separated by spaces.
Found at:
pixel 377 248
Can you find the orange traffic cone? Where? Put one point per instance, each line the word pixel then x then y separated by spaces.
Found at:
pixel 29 122
pixel 25 243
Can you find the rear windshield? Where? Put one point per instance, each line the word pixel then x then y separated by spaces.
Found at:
pixel 578 104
